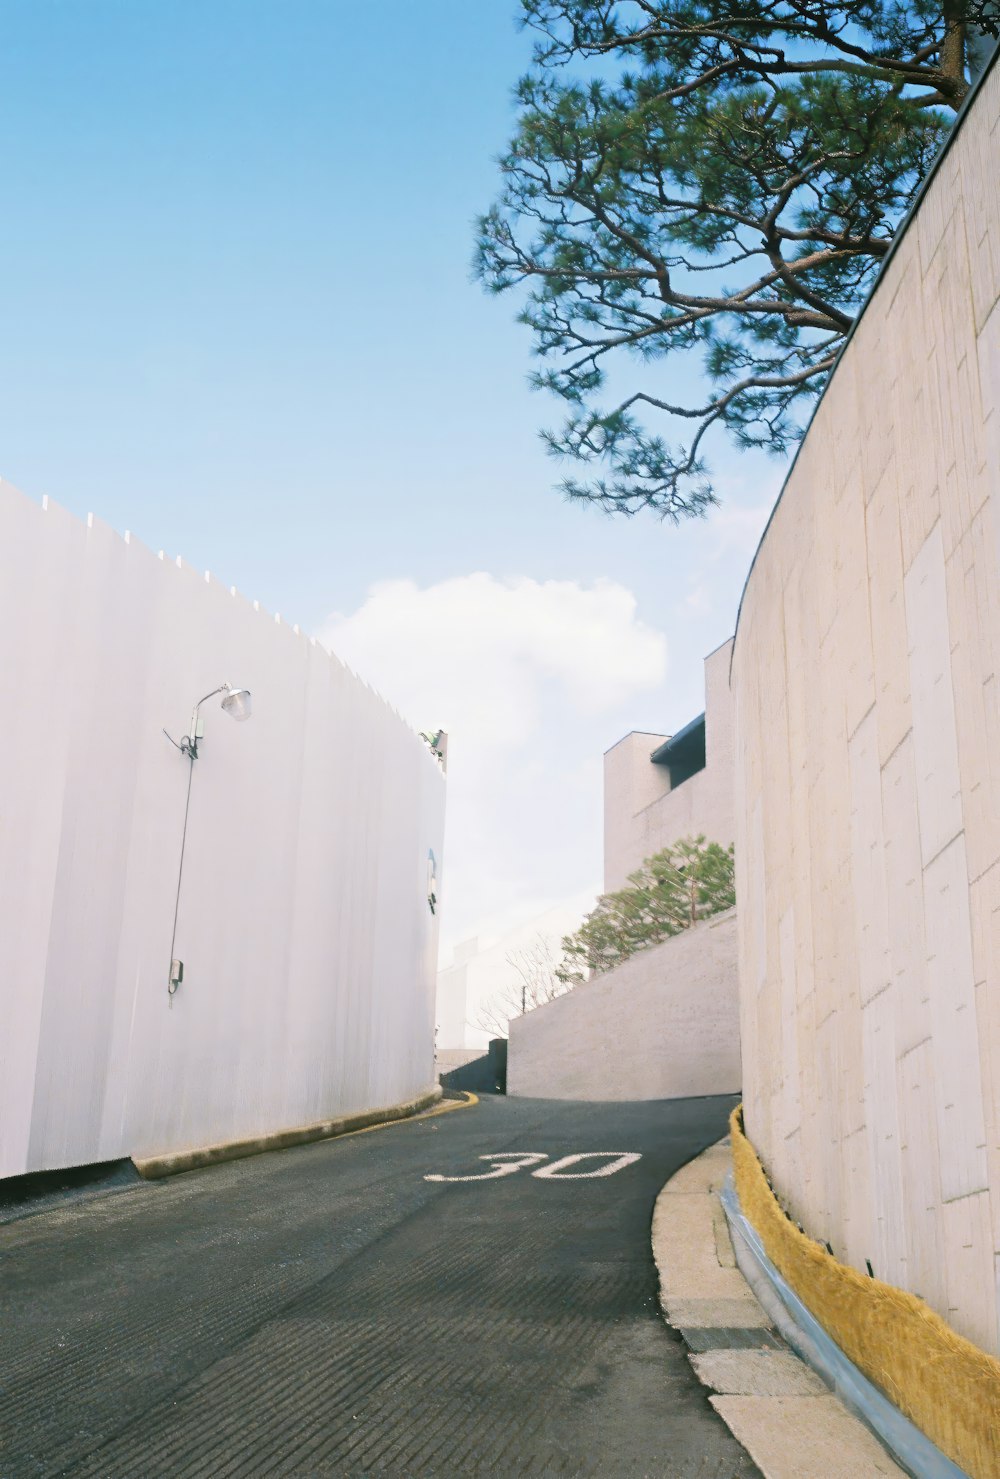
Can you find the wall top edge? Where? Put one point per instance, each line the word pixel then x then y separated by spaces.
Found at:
pixel 94 526
pixel 646 733
pixel 661 947
pixel 904 226
pixel 663 752
pixel 726 642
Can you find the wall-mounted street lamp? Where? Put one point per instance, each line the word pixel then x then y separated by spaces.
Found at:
pixel 237 704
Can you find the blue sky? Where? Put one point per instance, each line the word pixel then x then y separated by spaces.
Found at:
pixel 238 320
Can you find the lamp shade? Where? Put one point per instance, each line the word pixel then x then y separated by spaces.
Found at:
pixel 237 703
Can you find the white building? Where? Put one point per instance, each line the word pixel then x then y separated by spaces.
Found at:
pixel 665 1023
pixel 480 973
pixel 659 788
pixel 452 1026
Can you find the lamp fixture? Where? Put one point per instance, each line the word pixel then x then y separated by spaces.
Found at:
pixel 237 705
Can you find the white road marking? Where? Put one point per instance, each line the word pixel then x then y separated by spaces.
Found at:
pixel 506 1162
pixel 556 1170
pixel 515 1159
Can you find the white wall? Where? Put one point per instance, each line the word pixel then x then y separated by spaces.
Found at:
pixel 452 1025
pixel 663 1025
pixel 866 679
pixel 642 815
pixel 308 945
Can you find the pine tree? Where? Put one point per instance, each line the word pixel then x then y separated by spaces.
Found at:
pixel 672 891
pixel 717 182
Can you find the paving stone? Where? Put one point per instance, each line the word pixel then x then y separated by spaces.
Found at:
pixel 728 1337
pixel 760 1373
pixel 686 1246
pixel 778 1408
pixel 806 1438
pixel 689 1314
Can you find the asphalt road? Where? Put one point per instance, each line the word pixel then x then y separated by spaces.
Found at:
pixel 327 1310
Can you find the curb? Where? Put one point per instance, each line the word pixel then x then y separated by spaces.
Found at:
pixel 154 1168
pixel 807 1337
pixel 945 1391
pixel 790 1423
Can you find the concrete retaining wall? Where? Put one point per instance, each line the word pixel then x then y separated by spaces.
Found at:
pixel 308 945
pixel 664 1025
pixel 866 682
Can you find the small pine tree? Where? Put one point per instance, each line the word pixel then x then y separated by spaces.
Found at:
pixel 673 890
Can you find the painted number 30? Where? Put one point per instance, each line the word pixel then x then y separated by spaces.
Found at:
pixel 506 1162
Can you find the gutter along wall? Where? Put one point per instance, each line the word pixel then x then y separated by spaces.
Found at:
pixel 866 684
pixel 308 946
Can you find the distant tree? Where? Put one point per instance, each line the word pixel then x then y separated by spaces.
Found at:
pixel 673 890
pixel 717 180
pixel 534 979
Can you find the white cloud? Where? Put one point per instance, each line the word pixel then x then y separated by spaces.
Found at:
pixel 532 680
pixel 476 655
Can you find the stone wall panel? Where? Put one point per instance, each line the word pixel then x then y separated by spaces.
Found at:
pixel 866 688
pixel 662 1025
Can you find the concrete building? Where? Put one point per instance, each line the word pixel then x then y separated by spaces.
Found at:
pixel 454 1012
pixel 659 788
pixel 665 1023
pixel 482 979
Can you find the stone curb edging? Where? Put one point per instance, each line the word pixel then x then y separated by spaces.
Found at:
pixel 153 1168
pixel 946 1386
pixel 790 1423
pixel 808 1339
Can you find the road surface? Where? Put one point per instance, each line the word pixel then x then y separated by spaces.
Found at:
pixel 329 1310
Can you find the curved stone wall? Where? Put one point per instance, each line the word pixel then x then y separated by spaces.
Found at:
pixel 866 683
pixel 308 945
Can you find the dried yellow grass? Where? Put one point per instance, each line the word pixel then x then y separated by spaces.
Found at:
pixel 946 1386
